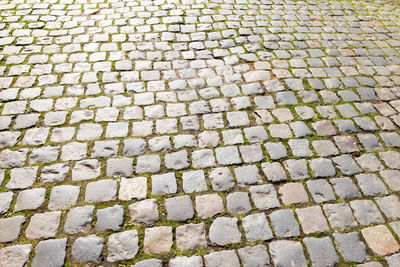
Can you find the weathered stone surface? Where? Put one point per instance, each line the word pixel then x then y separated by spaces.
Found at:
pixel 254 256
pixel 158 240
pixel 79 220
pixel 133 188
pixel 11 228
pixel 224 231
pixel 43 225
pixel 195 261
pixel 144 212
pixel 322 252
pixel 87 249
pixel 50 252
pixel 350 247
pixel 16 255
pixel 256 227
pixel 122 246
pixel 110 218
pixel 225 258
pixel 380 240
pixel 287 253
pixel 209 205
pixel 102 190
pixel 191 236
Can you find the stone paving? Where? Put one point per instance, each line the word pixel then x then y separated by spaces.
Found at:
pixel 199 132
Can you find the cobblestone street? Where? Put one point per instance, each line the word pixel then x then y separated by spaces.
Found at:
pixel 187 133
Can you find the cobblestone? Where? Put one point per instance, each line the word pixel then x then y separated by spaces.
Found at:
pixel 216 128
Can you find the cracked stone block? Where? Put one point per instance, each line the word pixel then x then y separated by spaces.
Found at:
pixel 350 247
pixel 158 240
pixel 148 164
pixel 79 219
pixel 225 258
pixel 184 261
pixel 133 188
pixel 287 253
pixel 50 253
pixel 238 203
pixel 30 199
pixel 122 246
pixel 17 255
pixel 11 228
pixel 322 252
pixel 284 223
pixel 380 240
pixel 144 212
pixel 101 191
pixel 224 231
pixel 254 256
pixel 366 212
pixel 63 197
pixel 179 208
pixel 191 236
pixel 312 220
pixel 340 216
pixel 43 225
pixel 21 178
pixel 256 227
pixel 110 218
pixel 87 249
pixel 209 205
pixel 293 193
pixel 163 184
